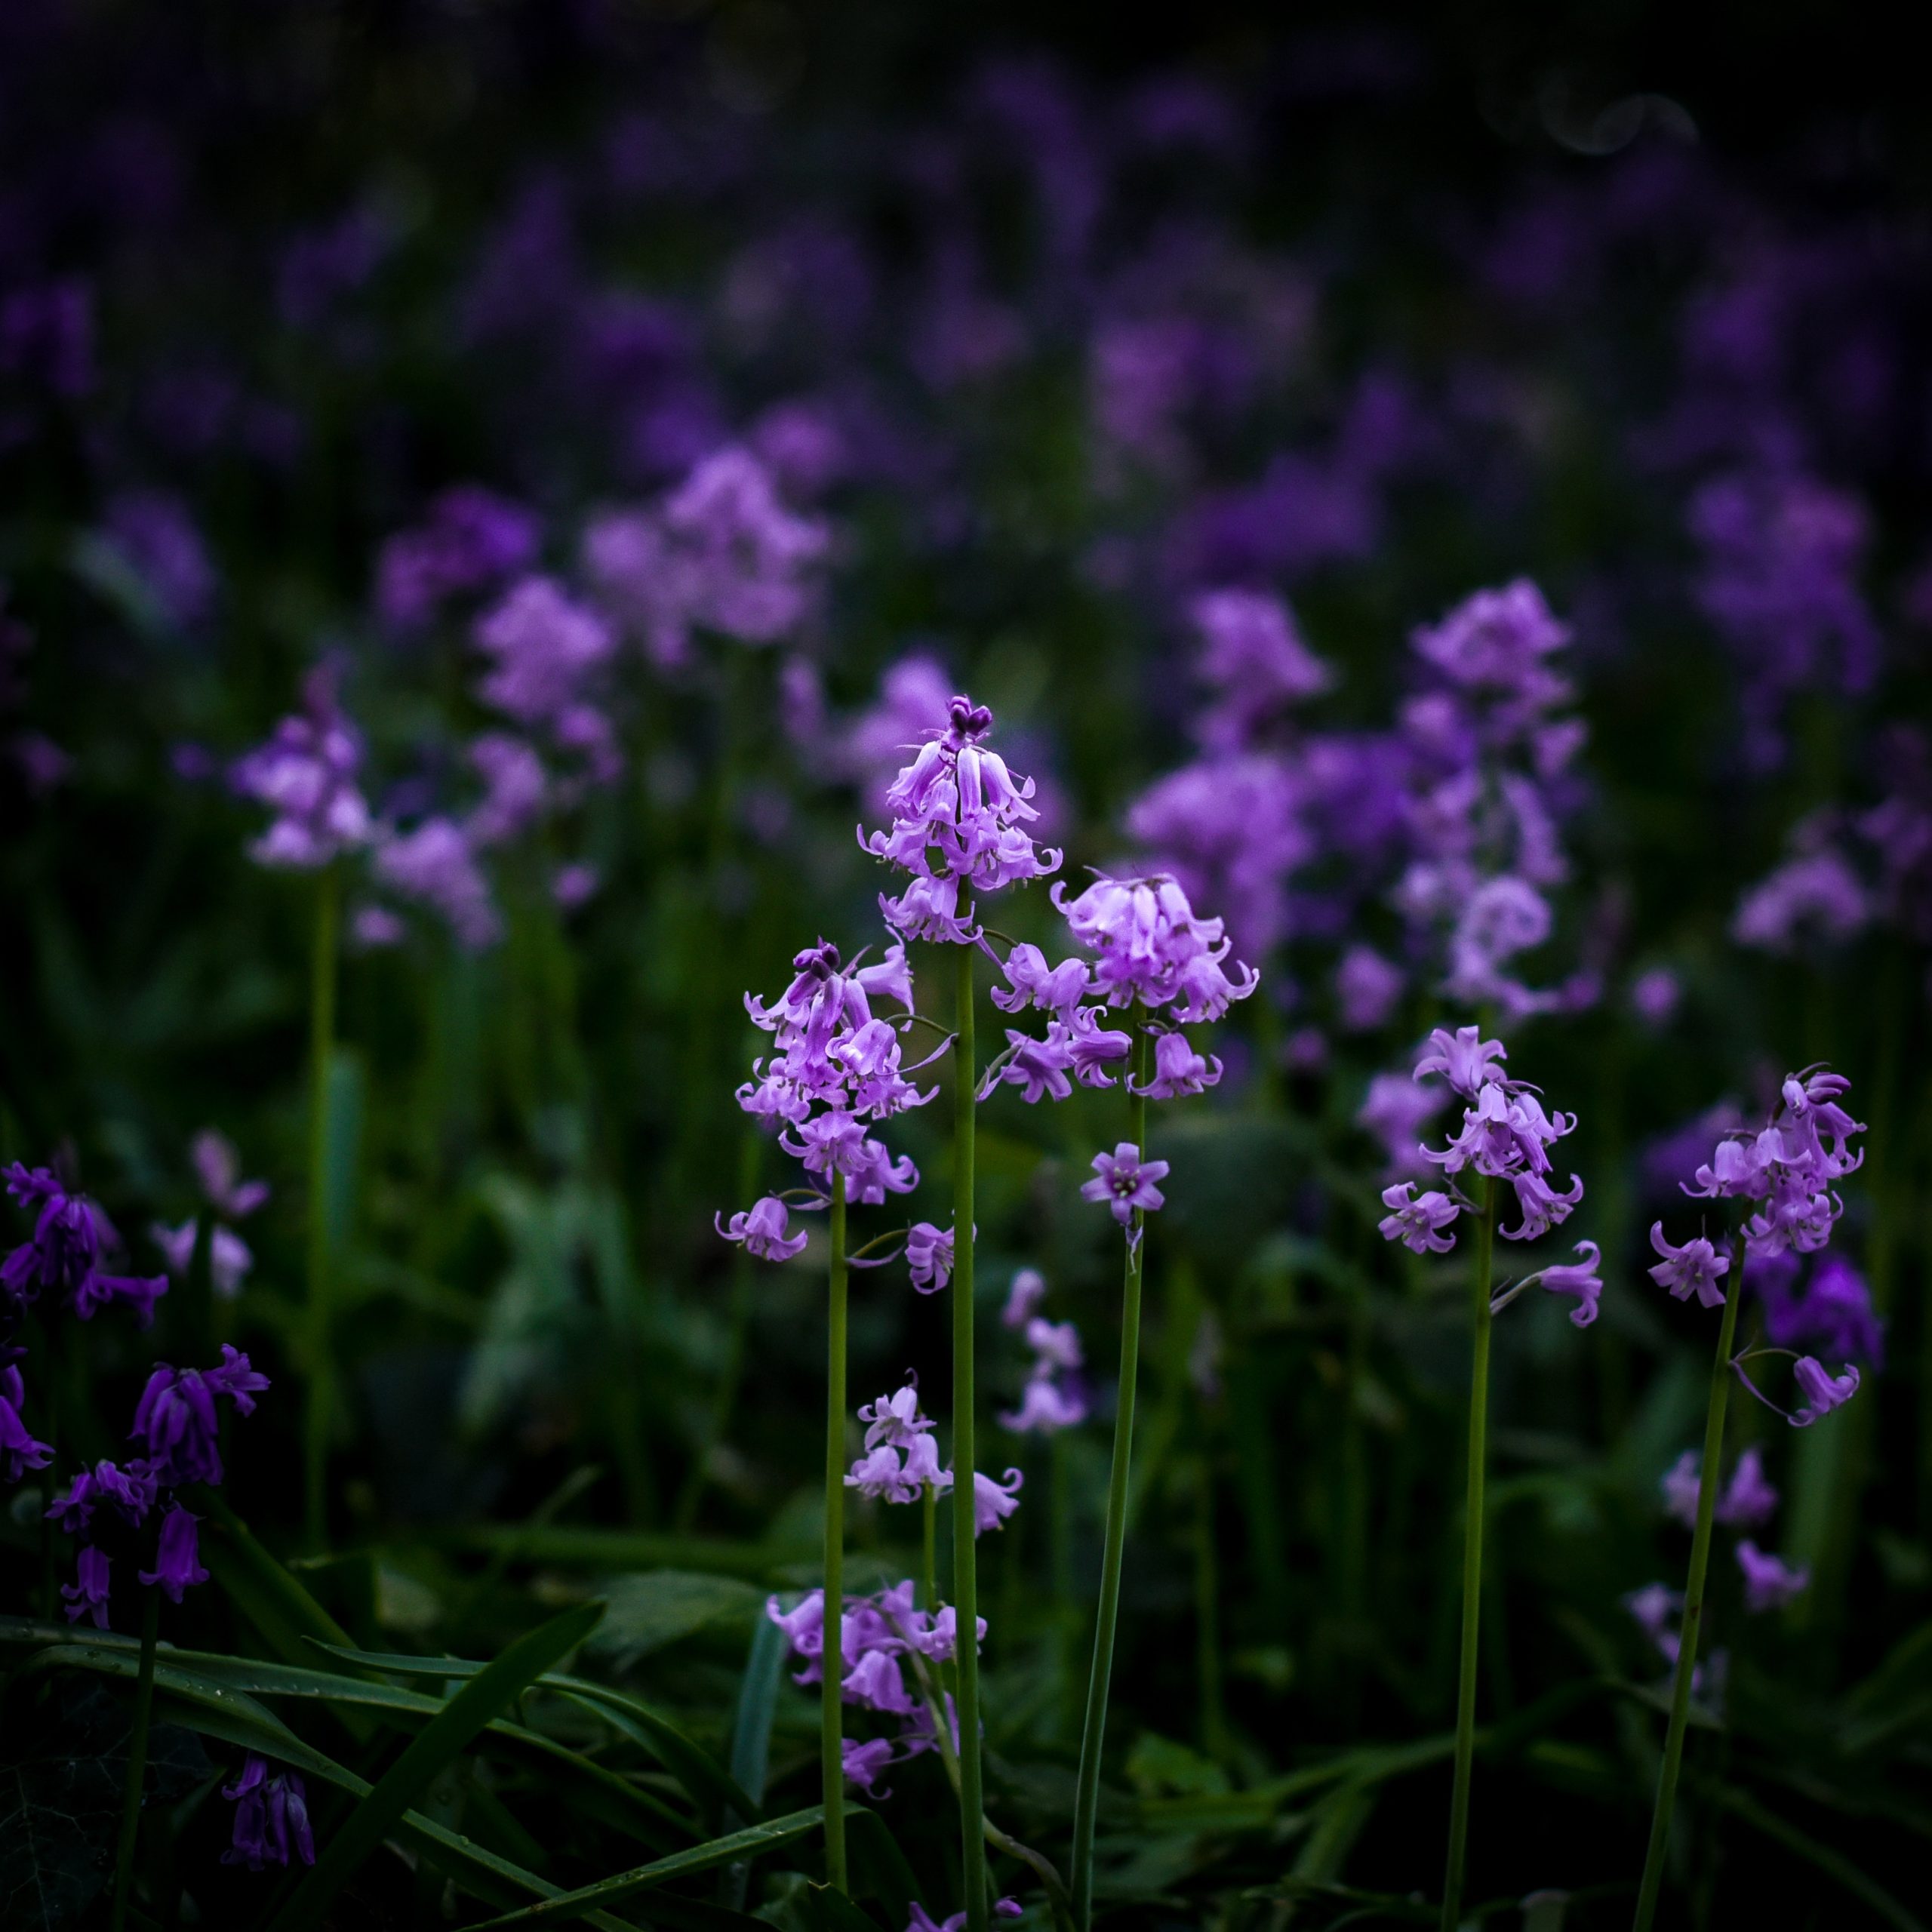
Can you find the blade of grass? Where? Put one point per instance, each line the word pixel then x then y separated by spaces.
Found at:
pixel 1834 1864
pixel 710 1785
pixel 726 1850
pixel 465 1714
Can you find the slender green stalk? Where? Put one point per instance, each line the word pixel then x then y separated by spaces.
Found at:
pixel 1693 1601
pixel 929 1549
pixel 1472 1529
pixel 1092 1730
pixel 965 1576
pixel 137 1758
pixel 831 1714
pixel 321 1049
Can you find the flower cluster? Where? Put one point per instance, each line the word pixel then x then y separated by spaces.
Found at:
pixel 305 774
pixel 1505 1136
pixel 881 1638
pixel 1788 1168
pixel 63 1255
pixel 470 540
pixel 1747 1502
pixel 232 1198
pixel 178 1428
pixel 1488 752
pixel 959 820
pixel 834 1069
pixel 721 553
pixel 901 1461
pixel 1053 1398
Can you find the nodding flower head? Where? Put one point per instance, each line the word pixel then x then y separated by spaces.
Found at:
pixel 1823 1390
pixel 761 1228
pixel 959 820
pixel 63 1254
pixel 1697 1268
pixel 1788 1166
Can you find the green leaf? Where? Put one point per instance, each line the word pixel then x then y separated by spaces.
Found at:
pixel 757 1705
pixel 1834 1864
pixel 649 1611
pixel 265 1593
pixel 726 1850
pixel 465 1714
pixel 829 1909
pixel 708 1783
pixel 199 1702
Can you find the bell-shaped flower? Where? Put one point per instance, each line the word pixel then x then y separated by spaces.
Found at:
pixel 761 1228
pixel 1178 1069
pixel 1418 1220
pixel 177 1559
pixel 1697 1268
pixel 1823 1391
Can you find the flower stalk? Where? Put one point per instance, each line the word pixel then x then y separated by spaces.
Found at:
pixel 965 1579
pixel 138 1758
pixel 831 1714
pixel 1473 1508
pixel 321 1049
pixel 1093 1732
pixel 1652 1884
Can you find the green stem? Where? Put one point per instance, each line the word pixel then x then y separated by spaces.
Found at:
pixel 929 1549
pixel 137 1758
pixel 1694 1600
pixel 1092 1730
pixel 322 1048
pixel 831 1712
pixel 1472 1528
pixel 965 1577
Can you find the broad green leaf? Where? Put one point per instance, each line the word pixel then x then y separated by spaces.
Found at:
pixel 728 1851
pixel 585 1546
pixel 649 1611
pixel 457 1723
pixel 758 1704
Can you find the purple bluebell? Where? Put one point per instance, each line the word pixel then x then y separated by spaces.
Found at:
pixel 762 1227
pixel 64 1252
pixel 177 1557
pixel 1770 1582
pixel 471 540
pixel 1419 1222
pixel 1823 1391
pixel 305 773
pixel 271 1817
pixel 87 1595
pixel 1697 1268
pixel 1125 1183
pixel 19 1450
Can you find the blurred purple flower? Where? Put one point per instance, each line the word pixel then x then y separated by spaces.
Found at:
pixel 305 773
pixel 1769 1581
pixel 471 540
